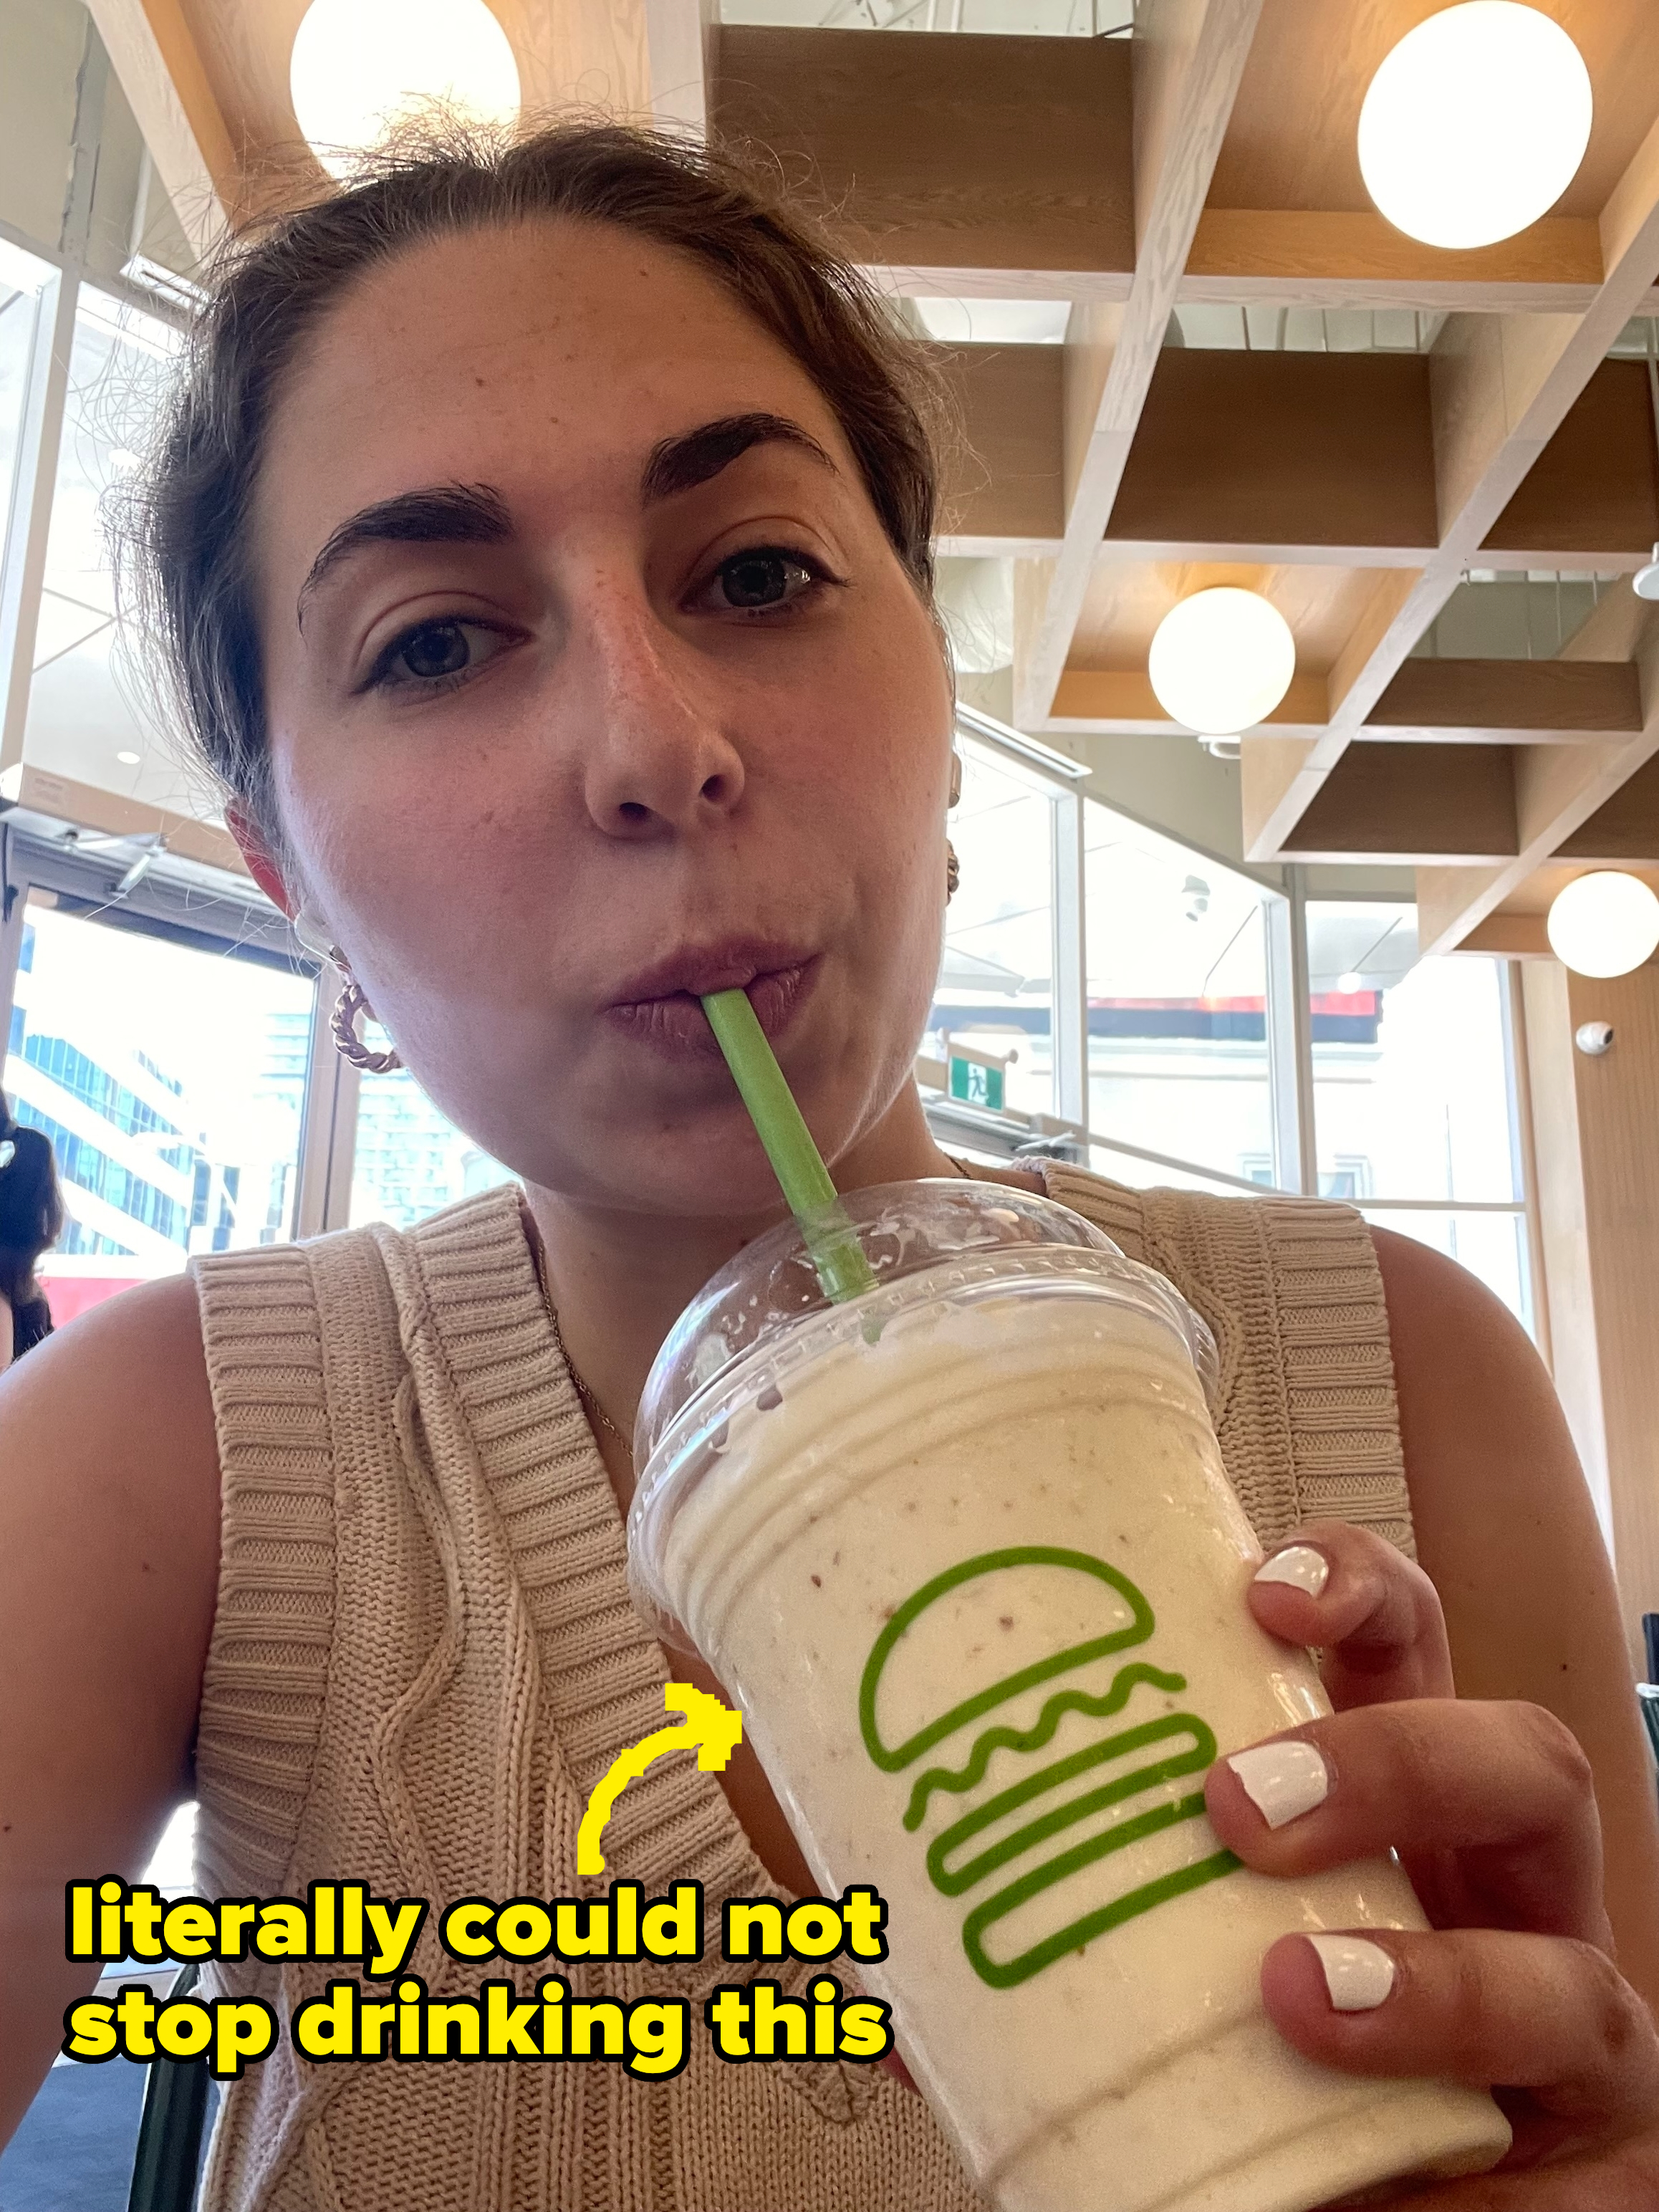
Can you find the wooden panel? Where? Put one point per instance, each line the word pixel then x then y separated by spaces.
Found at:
pixel 1625 829
pixel 1509 702
pixel 1595 485
pixel 1326 458
pixel 1188 55
pixel 1330 259
pixel 1106 699
pixel 1618 1103
pixel 1450 902
pixel 1293 140
pixel 161 74
pixel 1004 483
pixel 1281 449
pixel 681 40
pixel 1129 599
pixel 593 51
pixel 1500 388
pixel 966 151
pixel 1613 627
pixel 1507 936
pixel 1384 802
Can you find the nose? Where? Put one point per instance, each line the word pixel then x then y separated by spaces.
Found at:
pixel 659 762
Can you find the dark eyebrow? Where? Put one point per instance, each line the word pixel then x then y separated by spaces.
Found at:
pixel 679 463
pixel 439 514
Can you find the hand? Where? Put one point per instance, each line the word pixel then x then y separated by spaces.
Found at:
pixel 1492 1810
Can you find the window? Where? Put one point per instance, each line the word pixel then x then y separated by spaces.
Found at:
pixel 1412 1090
pixel 170 1080
pixel 86 717
pixel 995 992
pixel 1177 990
pixel 410 1159
pixel 22 280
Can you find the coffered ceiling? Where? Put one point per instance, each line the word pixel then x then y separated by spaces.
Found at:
pixel 1484 414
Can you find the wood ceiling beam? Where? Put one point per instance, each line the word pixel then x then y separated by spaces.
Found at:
pixel 1329 452
pixel 1509 937
pixel 1558 791
pixel 682 42
pixel 1463 807
pixel 1501 386
pixel 1507 702
pixel 987 164
pixel 1295 256
pixel 1490 704
pixel 1625 829
pixel 1291 457
pixel 1002 483
pixel 1120 701
pixel 1388 802
pixel 155 58
pixel 1188 55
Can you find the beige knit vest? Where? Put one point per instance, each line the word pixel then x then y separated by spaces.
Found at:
pixel 424 1657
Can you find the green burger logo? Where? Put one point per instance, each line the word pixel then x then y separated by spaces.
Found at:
pixel 997 1588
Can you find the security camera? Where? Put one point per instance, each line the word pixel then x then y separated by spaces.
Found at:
pixel 1594 1038
pixel 1196 892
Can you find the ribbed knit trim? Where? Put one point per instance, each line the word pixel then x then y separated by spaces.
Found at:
pixel 266 1674
pixel 602 1676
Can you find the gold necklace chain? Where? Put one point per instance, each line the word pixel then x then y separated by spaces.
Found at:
pixel 590 1405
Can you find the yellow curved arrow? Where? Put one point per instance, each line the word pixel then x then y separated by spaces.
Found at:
pixel 713 1730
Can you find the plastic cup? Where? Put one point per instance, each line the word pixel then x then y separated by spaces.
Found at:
pixel 963 1551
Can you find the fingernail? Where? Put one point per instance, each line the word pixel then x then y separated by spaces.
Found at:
pixel 1282 1780
pixel 1358 1974
pixel 1300 1565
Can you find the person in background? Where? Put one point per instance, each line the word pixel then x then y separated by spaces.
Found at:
pixel 31 1222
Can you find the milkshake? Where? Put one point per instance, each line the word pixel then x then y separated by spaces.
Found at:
pixel 964 1552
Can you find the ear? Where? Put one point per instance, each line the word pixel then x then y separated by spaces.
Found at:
pixel 257 857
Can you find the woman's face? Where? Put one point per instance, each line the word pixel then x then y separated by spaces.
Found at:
pixel 594 683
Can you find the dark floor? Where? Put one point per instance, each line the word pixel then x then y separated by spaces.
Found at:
pixel 73 2152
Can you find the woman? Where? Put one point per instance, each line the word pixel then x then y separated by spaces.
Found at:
pixel 31 1223
pixel 543 542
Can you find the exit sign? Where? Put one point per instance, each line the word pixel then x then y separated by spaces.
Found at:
pixel 976 1083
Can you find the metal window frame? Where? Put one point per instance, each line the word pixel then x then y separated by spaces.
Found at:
pixel 28 521
pixel 187 906
pixel 1289 1027
pixel 1524 1207
pixel 1061 779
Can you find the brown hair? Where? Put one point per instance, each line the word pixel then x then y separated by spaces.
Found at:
pixel 30 1207
pixel 185 556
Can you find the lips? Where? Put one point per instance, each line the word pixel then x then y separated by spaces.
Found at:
pixel 662 1006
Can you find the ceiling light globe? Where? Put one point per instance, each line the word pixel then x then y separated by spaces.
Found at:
pixel 1476 124
pixel 1221 660
pixel 361 68
pixel 1604 924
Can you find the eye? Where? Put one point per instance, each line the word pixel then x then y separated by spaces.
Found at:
pixel 758 578
pixel 435 653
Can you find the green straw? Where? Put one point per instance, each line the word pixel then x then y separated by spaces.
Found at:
pixel 796 1161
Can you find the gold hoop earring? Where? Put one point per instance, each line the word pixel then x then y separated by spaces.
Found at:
pixel 342 1024
pixel 952 872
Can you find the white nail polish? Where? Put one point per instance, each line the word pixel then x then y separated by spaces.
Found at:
pixel 1282 1780
pixel 1358 1974
pixel 1300 1565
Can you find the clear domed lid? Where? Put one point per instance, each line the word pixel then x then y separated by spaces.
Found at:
pixel 967 1229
